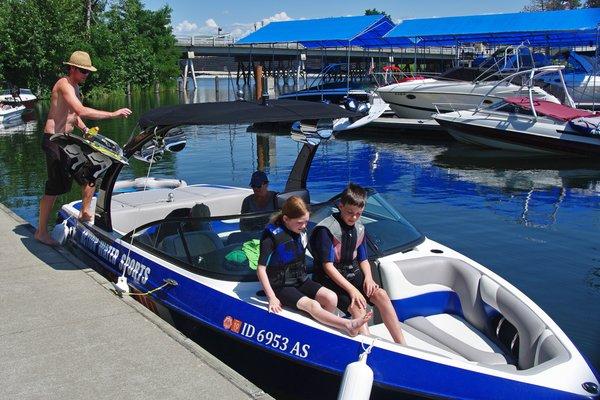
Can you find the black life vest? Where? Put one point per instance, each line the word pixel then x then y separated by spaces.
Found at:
pixel 286 265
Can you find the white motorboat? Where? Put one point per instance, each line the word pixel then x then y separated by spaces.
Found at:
pixel 17 97
pixel 470 333
pixel 525 123
pixel 419 97
pixel 581 76
pixel 10 113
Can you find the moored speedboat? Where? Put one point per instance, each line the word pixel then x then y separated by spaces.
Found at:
pixel 332 86
pixel 527 124
pixel 10 113
pixel 419 97
pixel 470 334
pixel 18 97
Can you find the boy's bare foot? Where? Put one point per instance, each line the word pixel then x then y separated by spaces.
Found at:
pixel 45 238
pixel 353 326
pixel 85 216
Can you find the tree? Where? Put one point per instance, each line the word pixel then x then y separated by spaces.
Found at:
pixel 127 43
pixel 551 5
pixel 374 11
pixel 592 3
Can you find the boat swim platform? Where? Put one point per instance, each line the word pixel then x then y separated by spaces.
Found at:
pixel 405 124
pixel 66 335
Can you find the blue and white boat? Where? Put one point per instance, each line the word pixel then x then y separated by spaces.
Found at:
pixel 470 333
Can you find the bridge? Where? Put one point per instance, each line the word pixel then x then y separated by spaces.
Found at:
pixel 216 53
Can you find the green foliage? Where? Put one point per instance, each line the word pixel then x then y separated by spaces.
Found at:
pixel 127 43
pixel 551 5
pixel 592 3
pixel 374 11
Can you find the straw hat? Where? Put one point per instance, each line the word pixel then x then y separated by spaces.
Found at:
pixel 81 59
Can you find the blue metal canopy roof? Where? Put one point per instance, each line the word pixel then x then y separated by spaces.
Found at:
pixel 364 31
pixel 544 28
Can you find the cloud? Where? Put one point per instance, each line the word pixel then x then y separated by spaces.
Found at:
pixel 210 23
pixel 237 29
pixel 241 29
pixel 187 28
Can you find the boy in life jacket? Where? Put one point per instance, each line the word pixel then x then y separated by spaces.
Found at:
pixel 282 270
pixel 339 248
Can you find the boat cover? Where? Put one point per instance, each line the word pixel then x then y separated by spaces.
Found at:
pixel 241 112
pixel 361 30
pixel 556 28
pixel 554 110
pixel 587 126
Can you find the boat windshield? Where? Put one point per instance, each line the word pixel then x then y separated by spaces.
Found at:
pixel 227 248
pixel 387 231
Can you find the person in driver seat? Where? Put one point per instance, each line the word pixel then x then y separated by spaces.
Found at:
pixel 282 270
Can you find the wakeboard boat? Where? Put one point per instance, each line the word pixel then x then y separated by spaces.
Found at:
pixel 333 85
pixel 17 97
pixel 469 333
pixel 526 123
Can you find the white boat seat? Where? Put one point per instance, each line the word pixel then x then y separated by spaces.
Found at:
pixel 456 334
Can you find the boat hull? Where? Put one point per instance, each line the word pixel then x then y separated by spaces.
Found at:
pixel 518 135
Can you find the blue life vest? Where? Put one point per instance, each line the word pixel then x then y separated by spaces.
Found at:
pixel 286 265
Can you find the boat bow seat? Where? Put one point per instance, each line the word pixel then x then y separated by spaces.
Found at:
pixel 445 329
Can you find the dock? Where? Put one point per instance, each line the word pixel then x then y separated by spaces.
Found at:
pixel 66 335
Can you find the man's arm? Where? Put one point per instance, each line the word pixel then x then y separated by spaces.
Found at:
pixel 81 125
pixel 74 104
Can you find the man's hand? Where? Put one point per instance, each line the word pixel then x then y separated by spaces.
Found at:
pixel 121 112
pixel 370 287
pixel 358 299
pixel 274 305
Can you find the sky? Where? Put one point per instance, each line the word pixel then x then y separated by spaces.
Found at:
pixel 238 17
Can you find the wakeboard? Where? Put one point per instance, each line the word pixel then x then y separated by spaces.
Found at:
pixel 98 143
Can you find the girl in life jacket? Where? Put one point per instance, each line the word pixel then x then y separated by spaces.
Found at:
pixel 282 270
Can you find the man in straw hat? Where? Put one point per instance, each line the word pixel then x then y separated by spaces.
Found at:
pixel 66 112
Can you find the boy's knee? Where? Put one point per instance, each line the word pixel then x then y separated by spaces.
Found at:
pixel 379 296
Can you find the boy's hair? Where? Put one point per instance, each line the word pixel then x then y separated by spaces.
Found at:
pixel 354 195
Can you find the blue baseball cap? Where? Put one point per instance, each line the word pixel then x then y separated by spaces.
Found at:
pixel 258 179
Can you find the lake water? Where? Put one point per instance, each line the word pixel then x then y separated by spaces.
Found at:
pixel 535 221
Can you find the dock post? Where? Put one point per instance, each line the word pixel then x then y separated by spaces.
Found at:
pixel 258 72
pixel 217 87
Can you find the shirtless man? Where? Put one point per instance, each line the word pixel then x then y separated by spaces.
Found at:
pixel 65 113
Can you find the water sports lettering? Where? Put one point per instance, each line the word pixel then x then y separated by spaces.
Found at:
pixel 266 337
pixel 133 268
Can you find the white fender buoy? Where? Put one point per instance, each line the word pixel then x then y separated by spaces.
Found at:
pixel 358 379
pixel 60 232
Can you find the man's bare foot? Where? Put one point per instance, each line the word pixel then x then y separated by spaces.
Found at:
pixel 85 216
pixel 353 326
pixel 45 238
